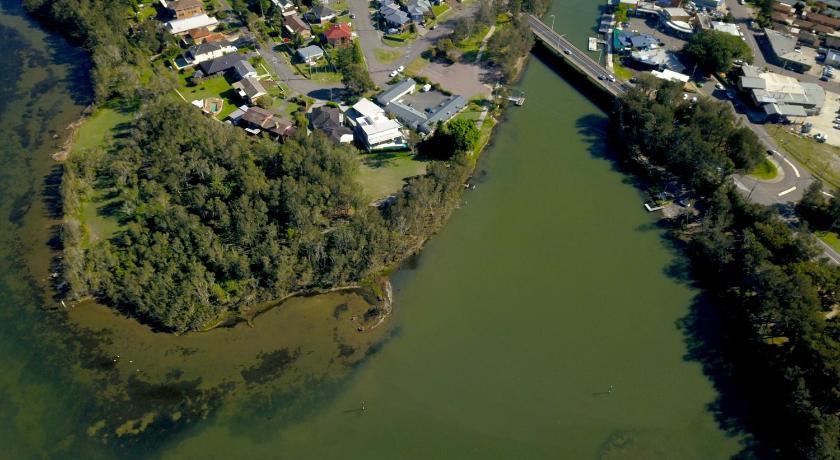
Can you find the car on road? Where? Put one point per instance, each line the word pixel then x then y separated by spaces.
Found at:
pixel 602 77
pixel 567 51
pixel 400 69
pixel 719 86
pixel 772 152
pixel 393 74
pixel 352 15
pixel 611 78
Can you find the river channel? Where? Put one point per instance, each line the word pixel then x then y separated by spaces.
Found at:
pixel 540 323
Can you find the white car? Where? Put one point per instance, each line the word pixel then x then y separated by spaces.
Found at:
pixel 611 78
pixel 567 51
pixel 393 74
pixel 400 69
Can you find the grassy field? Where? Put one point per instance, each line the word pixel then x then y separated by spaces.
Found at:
pixel 398 40
pixel 416 66
pixel 765 170
pixel 473 42
pixel 830 238
pixel 439 10
pixel 387 56
pixel 821 159
pixel 97 130
pixel 97 214
pixel 620 71
pixel 211 87
pixel 382 174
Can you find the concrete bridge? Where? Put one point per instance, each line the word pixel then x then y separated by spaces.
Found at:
pixel 577 58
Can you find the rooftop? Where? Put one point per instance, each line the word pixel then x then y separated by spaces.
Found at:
pixel 178 26
pixel 396 91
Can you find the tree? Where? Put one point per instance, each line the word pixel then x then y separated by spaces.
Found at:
pixel 714 51
pixel 443 48
pixel 356 79
pixel 621 12
pixel 463 134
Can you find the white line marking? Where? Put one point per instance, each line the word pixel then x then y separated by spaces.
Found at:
pixel 828 194
pixel 783 193
pixel 795 171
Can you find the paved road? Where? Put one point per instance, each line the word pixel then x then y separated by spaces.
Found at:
pixel 578 58
pixel 370 38
pixel 298 83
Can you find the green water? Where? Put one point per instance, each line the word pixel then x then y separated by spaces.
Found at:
pixel 545 290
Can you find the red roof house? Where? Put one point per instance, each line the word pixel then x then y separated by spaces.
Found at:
pixel 338 33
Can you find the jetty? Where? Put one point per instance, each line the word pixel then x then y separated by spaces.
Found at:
pixel 576 58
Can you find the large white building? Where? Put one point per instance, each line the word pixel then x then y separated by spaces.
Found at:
pixel 374 129
pixel 181 26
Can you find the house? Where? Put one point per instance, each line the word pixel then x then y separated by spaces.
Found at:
pixel 295 25
pixel 822 19
pixel 250 89
pixel 418 9
pixel 783 8
pixel 832 42
pixel 182 26
pixel 256 120
pixel 310 54
pixel 676 21
pixel 330 120
pixel 374 130
pixel 207 51
pixel 319 14
pixel 659 58
pixel 182 9
pixel 643 42
pixel 393 16
pixel 201 35
pixel 709 4
pixel 287 7
pixel 244 69
pixel 338 34
pixel 220 64
pixel 237 114
pixel 397 91
pixel 785 51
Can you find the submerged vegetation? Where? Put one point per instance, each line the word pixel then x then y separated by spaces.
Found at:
pixel 776 300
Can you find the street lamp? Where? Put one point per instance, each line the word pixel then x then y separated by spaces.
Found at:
pixel 552 23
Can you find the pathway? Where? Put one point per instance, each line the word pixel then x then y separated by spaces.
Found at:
pixel 314 89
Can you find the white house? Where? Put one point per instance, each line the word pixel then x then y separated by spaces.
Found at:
pixel 375 130
pixel 182 26
pixel 287 7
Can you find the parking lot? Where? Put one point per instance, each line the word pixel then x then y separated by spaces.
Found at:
pixel 824 122
pixel 648 26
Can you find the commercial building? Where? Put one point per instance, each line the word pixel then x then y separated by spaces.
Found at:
pixel 676 21
pixel 780 95
pixel 785 51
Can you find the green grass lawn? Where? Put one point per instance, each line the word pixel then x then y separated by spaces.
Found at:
pixel 146 12
pixel 397 41
pixel 387 56
pixel 473 42
pixel 211 87
pixel 765 170
pixel 830 238
pixel 821 159
pixel 99 129
pixel 382 174
pixel 620 71
pixel 98 215
pixel 439 10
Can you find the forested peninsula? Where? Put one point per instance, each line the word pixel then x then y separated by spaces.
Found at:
pixel 778 340
pixel 211 221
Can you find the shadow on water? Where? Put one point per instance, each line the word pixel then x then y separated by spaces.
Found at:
pixel 577 80
pixel 736 379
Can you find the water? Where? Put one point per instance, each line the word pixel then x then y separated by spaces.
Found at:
pixel 540 323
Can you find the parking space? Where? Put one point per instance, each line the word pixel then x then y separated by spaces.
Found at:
pixel 824 122
pixel 649 26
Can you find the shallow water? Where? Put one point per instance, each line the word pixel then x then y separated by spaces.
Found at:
pixel 540 323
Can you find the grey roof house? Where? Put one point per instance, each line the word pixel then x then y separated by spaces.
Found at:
pixel 397 91
pixel 221 64
pixel 250 88
pixel 330 120
pixel 319 14
pixel 310 54
pixel 427 122
pixel 244 69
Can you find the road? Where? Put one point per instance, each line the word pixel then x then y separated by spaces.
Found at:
pixel 577 58
pixel 298 83
pixel 370 38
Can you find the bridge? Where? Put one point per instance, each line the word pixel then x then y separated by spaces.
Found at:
pixel 576 58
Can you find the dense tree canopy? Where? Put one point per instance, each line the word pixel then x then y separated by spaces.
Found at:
pixel 714 51
pixel 779 338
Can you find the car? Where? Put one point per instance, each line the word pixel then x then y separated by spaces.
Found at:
pixel 352 15
pixel 400 69
pixel 567 51
pixel 772 152
pixel 719 86
pixel 392 31
pixel 685 96
pixel 393 74
pixel 611 78
pixel 602 77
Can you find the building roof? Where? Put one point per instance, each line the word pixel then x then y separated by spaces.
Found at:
pixel 295 23
pixel 243 68
pixel 659 57
pixel 750 71
pixel 251 87
pixel 726 28
pixel 782 7
pixel 178 5
pixel 785 110
pixel 412 117
pixel 258 116
pixel 178 26
pixel 339 31
pixel 752 83
pixel 832 42
pixel 281 127
pixel 444 111
pixel 643 41
pixel 220 64
pixel 237 114
pixel 206 48
pixel 321 12
pixel 823 19
pixel 676 12
pixel 670 75
pixel 784 47
pixel 328 120
pixel 310 52
pixel 396 17
pixel 396 91
pixel 198 33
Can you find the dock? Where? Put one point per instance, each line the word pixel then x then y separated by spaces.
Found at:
pixel 576 58
pixel 593 44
